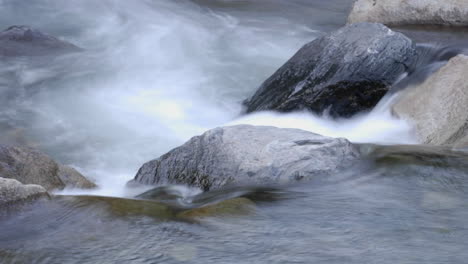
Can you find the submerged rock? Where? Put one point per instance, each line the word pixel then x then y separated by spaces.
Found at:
pixel 14 191
pixel 249 155
pixel 25 41
pixel 30 166
pixel 122 206
pixel 411 12
pixel 232 207
pixel 438 108
pixel 344 72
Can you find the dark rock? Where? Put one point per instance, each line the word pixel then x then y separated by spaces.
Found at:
pixel 30 166
pixel 249 155
pixel 25 41
pixel 345 72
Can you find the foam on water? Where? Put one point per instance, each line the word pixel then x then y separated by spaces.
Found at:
pixel 378 126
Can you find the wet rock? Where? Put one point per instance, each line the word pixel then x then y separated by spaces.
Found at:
pixel 25 41
pixel 30 166
pixel 345 72
pixel 14 191
pixel 438 108
pixel 122 206
pixel 411 12
pixel 249 155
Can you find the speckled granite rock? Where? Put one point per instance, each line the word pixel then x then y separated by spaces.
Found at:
pixel 411 12
pixel 249 155
pixel 14 191
pixel 438 108
pixel 30 166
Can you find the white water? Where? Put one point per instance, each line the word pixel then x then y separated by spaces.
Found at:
pixel 157 73
pixel 377 126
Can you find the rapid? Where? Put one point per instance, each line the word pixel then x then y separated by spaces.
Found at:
pixel 155 73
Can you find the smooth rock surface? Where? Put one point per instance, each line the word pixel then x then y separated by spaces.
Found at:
pixel 438 108
pixel 72 178
pixel 25 41
pixel 13 191
pixel 345 72
pixel 30 166
pixel 246 154
pixel 411 12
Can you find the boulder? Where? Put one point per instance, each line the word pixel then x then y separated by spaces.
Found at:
pixel 411 12
pixel 345 72
pixel 30 166
pixel 245 154
pixel 438 108
pixel 25 41
pixel 72 178
pixel 14 191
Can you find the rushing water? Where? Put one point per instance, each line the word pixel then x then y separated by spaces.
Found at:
pixel 155 73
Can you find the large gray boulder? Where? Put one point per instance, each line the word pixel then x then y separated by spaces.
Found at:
pixel 345 72
pixel 246 154
pixel 30 166
pixel 438 108
pixel 25 41
pixel 411 12
pixel 14 191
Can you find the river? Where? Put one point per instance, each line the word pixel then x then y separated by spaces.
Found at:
pixel 155 73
